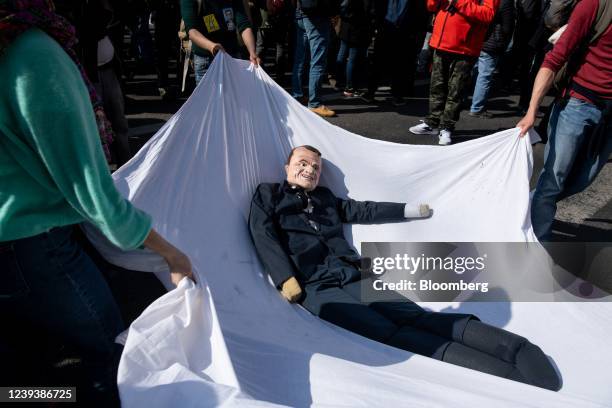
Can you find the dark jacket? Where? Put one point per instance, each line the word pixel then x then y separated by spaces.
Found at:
pixel 415 19
pixel 501 29
pixel 211 20
pixel 287 243
pixel 528 15
pixel 356 17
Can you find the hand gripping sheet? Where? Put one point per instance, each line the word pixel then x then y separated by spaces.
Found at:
pixel 231 339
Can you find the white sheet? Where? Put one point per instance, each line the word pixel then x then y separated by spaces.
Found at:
pixel 233 340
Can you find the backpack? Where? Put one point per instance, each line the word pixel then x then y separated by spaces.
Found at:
pixel 558 13
pixel 563 77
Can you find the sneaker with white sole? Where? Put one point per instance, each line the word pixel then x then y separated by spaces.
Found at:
pixel 423 129
pixel 445 137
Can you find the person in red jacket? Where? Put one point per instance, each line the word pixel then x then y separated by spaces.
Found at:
pixel 458 34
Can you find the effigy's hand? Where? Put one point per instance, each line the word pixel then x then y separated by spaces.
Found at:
pixel 291 290
pixel 420 211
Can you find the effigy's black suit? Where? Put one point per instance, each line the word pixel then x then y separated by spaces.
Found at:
pixel 299 234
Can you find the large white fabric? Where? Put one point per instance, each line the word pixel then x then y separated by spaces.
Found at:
pixel 231 339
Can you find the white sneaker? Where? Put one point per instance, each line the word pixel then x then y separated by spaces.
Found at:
pixel 445 137
pixel 423 129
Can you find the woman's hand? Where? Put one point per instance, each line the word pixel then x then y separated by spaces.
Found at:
pixel 178 262
pixel 180 266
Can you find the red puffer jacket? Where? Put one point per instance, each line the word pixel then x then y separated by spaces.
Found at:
pixel 463 29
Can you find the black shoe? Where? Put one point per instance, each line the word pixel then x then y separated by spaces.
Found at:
pixel 367 97
pixel 398 101
pixel 535 367
pixel 350 93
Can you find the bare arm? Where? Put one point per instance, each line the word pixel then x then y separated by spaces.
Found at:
pixel 203 42
pixel 543 82
pixel 249 42
pixel 179 263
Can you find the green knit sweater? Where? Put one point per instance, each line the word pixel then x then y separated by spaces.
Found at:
pixel 52 168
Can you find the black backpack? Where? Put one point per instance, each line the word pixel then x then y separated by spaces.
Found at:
pixel 558 13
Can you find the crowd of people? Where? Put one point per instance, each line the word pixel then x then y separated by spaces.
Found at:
pixel 467 48
pixel 62 117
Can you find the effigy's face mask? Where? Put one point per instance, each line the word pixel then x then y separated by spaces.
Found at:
pixel 304 169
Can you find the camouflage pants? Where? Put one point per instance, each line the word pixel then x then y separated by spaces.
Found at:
pixel 450 75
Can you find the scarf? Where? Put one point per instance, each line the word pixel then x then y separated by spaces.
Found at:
pixel 18 16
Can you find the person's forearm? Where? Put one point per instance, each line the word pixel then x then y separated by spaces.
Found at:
pixel 249 40
pixel 157 243
pixel 198 39
pixel 542 84
pixel 178 263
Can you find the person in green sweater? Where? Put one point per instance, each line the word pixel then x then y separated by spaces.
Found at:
pixel 53 176
pixel 211 26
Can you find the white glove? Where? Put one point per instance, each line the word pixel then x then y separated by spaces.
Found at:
pixel 420 211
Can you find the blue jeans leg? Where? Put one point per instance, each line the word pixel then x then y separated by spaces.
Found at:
pixel 318 31
pixel 341 64
pixel 354 55
pixel 486 67
pixel 52 285
pixel 301 42
pixel 200 65
pixel 569 128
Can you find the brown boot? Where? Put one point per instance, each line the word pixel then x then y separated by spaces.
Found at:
pixel 323 111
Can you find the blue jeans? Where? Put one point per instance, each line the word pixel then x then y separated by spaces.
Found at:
pixel 141 41
pixel 200 66
pixel 486 66
pixel 311 32
pixel 569 131
pixel 50 285
pixel 354 54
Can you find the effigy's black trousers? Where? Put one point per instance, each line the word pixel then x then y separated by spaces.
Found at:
pixel 455 338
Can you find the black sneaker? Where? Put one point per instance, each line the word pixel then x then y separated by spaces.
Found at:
pixel 367 97
pixel 398 101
